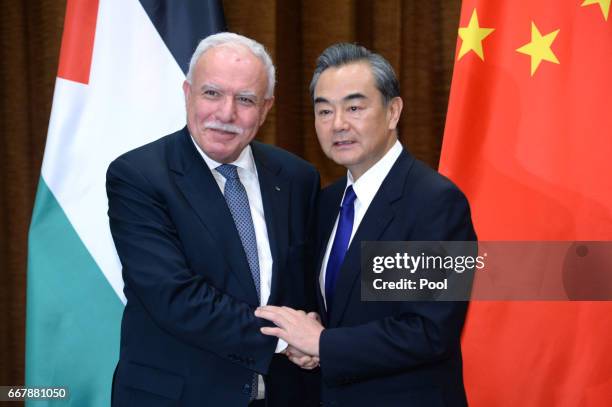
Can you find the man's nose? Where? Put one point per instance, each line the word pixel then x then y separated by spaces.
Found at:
pixel 339 123
pixel 227 110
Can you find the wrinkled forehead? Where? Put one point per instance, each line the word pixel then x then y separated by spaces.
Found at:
pixel 231 64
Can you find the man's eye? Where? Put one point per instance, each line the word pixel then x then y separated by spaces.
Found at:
pixel 354 108
pixel 211 93
pixel 324 112
pixel 246 101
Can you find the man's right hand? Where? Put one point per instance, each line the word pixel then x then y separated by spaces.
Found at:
pixel 301 359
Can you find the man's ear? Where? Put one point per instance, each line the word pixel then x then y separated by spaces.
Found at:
pixel 394 111
pixel 267 105
pixel 187 90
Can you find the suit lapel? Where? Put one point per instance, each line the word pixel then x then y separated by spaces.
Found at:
pixel 376 220
pixel 194 179
pixel 275 192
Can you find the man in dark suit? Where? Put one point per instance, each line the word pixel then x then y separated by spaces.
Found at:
pixel 210 224
pixel 375 353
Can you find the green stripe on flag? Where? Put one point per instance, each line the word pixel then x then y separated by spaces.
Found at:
pixel 73 314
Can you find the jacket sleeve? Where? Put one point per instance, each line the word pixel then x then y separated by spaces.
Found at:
pixel 158 276
pixel 418 333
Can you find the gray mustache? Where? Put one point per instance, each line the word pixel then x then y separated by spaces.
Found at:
pixel 224 127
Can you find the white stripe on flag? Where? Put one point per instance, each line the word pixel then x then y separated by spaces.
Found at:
pixel 134 96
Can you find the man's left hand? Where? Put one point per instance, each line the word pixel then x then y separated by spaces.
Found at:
pixel 294 327
pixel 301 359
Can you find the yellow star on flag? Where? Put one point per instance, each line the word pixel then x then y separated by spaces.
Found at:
pixel 539 48
pixel 472 37
pixel 603 4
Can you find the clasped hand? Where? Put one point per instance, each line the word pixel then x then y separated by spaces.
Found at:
pixel 299 329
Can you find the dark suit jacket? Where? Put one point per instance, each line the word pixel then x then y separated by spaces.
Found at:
pixel 189 336
pixel 394 353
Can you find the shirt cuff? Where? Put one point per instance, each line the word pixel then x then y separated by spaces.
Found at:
pixel 280 346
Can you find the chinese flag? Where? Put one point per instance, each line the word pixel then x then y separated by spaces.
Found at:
pixel 529 140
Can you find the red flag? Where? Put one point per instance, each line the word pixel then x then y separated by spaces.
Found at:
pixel 529 140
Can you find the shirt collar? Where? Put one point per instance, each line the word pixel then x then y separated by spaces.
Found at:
pixel 368 184
pixel 244 161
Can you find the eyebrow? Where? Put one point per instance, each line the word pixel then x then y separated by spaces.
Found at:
pixel 211 86
pixel 344 99
pixel 247 94
pixel 354 96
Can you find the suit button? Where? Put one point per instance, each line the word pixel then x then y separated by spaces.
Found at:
pixel 246 389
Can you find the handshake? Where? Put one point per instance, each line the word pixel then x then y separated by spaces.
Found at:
pixel 300 330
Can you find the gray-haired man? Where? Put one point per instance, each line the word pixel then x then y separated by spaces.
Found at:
pixel 210 224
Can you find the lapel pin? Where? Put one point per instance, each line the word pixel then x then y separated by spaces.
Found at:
pixel 277 188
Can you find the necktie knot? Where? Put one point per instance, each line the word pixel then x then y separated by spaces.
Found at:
pixel 349 197
pixel 229 171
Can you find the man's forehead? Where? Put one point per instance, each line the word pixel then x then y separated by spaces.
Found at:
pixel 230 56
pixel 345 82
pixel 350 71
pixel 226 67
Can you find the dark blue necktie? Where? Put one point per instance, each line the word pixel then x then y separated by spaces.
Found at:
pixel 340 244
pixel 238 203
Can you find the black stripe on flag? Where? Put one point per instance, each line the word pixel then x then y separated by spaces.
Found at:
pixel 182 24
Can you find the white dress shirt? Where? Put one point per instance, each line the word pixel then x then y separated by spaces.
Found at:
pixel 365 189
pixel 247 172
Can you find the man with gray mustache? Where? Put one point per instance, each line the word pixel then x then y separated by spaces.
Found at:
pixel 224 127
pixel 210 224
